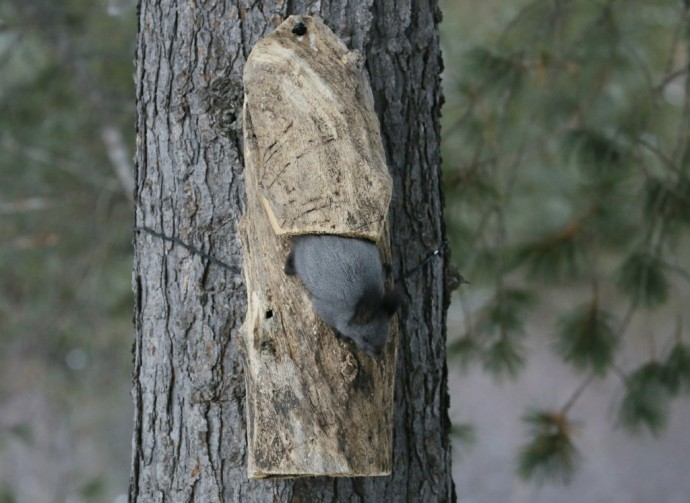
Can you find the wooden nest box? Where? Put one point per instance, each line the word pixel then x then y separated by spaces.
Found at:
pixel 314 164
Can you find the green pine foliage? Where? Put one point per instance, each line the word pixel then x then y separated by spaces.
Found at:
pixel 464 436
pixel 555 257
pixel 7 495
pixel 549 454
pixel 598 156
pixel 504 358
pixel 464 350
pixel 675 375
pixel 496 75
pixel 668 198
pixel 495 339
pixel 586 338
pixel 645 403
pixel 643 278
pixel 503 315
pixel 566 164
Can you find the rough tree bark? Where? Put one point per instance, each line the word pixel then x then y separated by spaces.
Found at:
pixel 189 440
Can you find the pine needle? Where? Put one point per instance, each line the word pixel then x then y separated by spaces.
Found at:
pixel 550 455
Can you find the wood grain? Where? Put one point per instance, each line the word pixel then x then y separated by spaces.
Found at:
pixel 316 405
pixel 320 163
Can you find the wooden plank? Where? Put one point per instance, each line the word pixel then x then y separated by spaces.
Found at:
pixel 314 163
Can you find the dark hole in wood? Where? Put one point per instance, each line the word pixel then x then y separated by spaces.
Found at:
pixel 299 29
pixel 269 314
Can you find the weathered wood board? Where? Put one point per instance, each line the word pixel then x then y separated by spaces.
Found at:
pixel 322 168
pixel 314 163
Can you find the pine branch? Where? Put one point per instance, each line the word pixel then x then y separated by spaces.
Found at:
pixel 550 454
pixel 576 394
pixel 668 78
pixel 645 403
pixel 586 338
pixel 665 160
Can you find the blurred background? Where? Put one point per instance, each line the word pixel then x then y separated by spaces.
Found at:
pixel 565 146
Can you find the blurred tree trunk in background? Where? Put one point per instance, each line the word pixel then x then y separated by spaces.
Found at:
pixel 188 387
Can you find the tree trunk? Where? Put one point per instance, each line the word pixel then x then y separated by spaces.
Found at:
pixel 189 441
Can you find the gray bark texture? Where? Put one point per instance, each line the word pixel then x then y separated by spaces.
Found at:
pixel 189 441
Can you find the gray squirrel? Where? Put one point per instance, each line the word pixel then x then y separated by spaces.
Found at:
pixel 345 279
